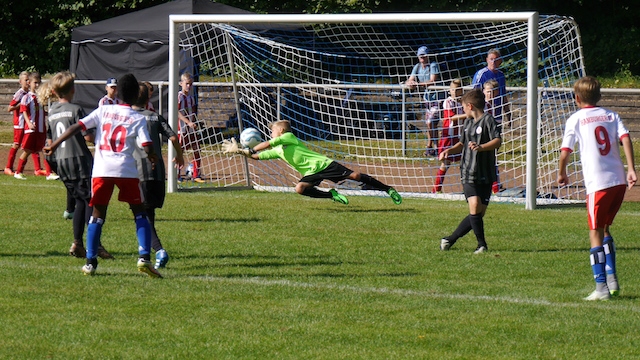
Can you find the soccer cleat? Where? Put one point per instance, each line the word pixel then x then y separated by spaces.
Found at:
pixel 103 253
pixel 144 266
pixel 598 295
pixel 8 171
pixel 480 250
pixel 19 176
pixel 198 180
pixel 397 199
pixel 337 197
pixel 612 284
pixel 40 173
pixel 53 176
pixel 77 250
pixel 445 244
pixel 162 258
pixel 67 215
pixel 89 270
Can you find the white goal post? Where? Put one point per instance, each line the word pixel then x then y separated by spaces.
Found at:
pixel 531 60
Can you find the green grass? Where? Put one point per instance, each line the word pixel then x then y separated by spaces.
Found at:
pixel 263 275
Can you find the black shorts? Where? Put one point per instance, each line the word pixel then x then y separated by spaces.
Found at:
pixel 153 193
pixel 483 191
pixel 80 189
pixel 335 172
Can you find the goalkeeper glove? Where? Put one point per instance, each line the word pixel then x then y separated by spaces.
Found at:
pixel 231 147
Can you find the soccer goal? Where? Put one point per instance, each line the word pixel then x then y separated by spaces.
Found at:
pixel 339 79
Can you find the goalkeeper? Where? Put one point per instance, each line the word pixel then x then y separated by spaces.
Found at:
pixel 313 167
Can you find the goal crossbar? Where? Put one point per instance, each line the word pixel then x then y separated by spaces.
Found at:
pixel 532 61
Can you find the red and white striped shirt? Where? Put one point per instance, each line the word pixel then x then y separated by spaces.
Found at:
pixel 35 111
pixel 187 107
pixel 18 118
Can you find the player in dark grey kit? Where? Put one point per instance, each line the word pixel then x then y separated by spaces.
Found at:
pixel 152 178
pixel 74 160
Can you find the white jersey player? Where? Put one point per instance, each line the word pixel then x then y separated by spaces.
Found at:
pixel 598 132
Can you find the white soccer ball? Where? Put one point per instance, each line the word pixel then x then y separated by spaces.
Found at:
pixel 250 137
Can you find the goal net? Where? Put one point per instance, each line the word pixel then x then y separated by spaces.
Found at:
pixel 339 81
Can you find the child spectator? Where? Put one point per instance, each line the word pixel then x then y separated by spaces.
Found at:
pixel 74 160
pixel 313 166
pixel 598 131
pixel 188 124
pixel 118 127
pixel 34 132
pixel 111 98
pixel 18 121
pixel 478 143
pixel 152 177
pixel 494 106
pixel 453 114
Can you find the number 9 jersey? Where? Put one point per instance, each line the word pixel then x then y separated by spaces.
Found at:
pixel 117 128
pixel 598 132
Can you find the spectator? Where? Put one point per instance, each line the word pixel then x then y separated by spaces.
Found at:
pixel 424 74
pixel 188 124
pixel 492 71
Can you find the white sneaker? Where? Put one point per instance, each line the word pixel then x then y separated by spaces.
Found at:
pixel 597 295
pixel 67 215
pixel 88 269
pixel 19 176
pixel 445 245
pixel 53 176
pixel 480 250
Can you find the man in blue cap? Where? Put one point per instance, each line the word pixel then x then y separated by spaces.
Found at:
pixel 424 74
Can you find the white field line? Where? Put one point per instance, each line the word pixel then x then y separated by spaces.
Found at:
pixel 414 293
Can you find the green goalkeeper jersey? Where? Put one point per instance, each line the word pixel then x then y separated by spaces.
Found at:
pixel 290 149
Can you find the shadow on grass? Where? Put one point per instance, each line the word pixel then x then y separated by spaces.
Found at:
pixel 356 209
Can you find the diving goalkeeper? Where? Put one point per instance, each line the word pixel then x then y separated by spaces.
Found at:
pixel 313 167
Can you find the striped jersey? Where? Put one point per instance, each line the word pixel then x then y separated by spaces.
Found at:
pixel 494 107
pixel 450 108
pixel 187 107
pixel 18 118
pixel 74 159
pixel 597 131
pixel 118 127
pixel 106 100
pixel 156 125
pixel 478 167
pixel 35 111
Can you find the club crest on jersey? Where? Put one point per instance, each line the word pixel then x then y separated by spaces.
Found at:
pixel 479 130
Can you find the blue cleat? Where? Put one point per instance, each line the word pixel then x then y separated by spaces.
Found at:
pixel 162 258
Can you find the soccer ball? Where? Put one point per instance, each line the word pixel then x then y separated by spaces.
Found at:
pixel 250 137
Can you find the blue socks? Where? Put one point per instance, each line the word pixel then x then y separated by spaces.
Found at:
pixel 94 231
pixel 143 232
pixel 597 258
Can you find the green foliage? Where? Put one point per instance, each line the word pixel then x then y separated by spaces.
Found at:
pixel 37 34
pixel 263 275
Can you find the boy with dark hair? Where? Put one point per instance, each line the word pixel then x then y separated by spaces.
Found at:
pixel 313 166
pixel 478 142
pixel 152 177
pixel 598 131
pixel 118 127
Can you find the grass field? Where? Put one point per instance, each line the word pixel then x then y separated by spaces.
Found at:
pixel 280 276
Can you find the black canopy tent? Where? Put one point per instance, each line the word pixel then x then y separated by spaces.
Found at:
pixel 136 43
